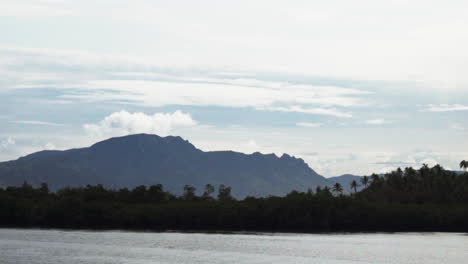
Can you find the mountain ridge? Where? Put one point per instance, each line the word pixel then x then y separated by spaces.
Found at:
pixel 144 159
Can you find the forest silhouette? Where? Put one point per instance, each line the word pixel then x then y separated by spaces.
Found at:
pixel 425 199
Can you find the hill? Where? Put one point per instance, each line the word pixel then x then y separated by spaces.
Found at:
pixel 144 159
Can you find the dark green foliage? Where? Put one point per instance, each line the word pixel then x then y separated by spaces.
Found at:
pixel 224 193
pixel 429 199
pixel 209 189
pixel 337 188
pixel 189 192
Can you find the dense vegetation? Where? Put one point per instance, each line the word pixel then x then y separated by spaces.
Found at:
pixel 431 199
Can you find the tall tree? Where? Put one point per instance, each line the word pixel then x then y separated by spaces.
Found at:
pixel 365 181
pixel 209 189
pixel 375 178
pixel 326 191
pixel 354 186
pixel 44 188
pixel 189 192
pixel 464 165
pixel 224 193
pixel 337 188
pixel 318 189
pixel 156 192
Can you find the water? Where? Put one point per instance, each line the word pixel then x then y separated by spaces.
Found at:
pixel 72 247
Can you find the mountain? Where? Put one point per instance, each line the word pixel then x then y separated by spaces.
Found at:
pixel 345 181
pixel 144 159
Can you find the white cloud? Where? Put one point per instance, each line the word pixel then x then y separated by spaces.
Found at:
pixel 6 143
pixel 36 122
pixel 256 94
pixel 308 39
pixel 429 161
pixel 379 121
pixel 445 108
pixel 317 111
pixel 457 126
pixel 387 169
pixel 94 78
pixel 36 8
pixel 125 123
pixel 49 146
pixel 416 158
pixel 250 147
pixel 308 124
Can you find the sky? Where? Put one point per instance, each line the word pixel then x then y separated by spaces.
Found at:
pixel 357 87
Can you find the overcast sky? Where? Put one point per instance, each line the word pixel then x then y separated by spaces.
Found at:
pixel 349 86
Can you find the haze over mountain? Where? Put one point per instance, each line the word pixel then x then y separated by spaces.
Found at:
pixel 144 159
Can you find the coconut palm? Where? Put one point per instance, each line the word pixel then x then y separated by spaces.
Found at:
pixel 464 164
pixel 326 190
pixel 365 181
pixel 337 188
pixel 375 178
pixel 354 186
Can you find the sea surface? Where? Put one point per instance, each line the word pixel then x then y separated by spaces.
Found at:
pixel 18 246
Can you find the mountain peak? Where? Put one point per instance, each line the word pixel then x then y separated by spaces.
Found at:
pixel 146 159
pixel 143 141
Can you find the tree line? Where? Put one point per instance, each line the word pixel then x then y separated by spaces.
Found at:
pixel 425 199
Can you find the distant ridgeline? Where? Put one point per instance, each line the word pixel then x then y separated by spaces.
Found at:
pixel 428 199
pixel 143 159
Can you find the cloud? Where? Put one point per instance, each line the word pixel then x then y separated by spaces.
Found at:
pixel 49 146
pixel 36 122
pixel 251 146
pixel 318 111
pixel 91 78
pixel 457 126
pixel 308 38
pixel 445 108
pixel 416 158
pixel 307 124
pixel 415 164
pixel 430 162
pixel 379 121
pixel 395 163
pixel 309 153
pixel 36 8
pixel 125 123
pixel 253 93
pixel 6 143
pixel 387 169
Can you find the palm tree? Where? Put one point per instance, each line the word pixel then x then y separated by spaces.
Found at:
pixel 375 178
pixel 354 185
pixel 326 190
pixel 338 188
pixel 365 181
pixel 464 165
